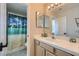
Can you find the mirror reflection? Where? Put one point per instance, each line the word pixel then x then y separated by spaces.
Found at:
pixel 66 21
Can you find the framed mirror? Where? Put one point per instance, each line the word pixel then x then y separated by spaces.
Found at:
pixel 46 20
pixel 42 21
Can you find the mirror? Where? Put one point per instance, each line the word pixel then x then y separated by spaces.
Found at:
pixel 46 21
pixel 42 21
pixel 65 26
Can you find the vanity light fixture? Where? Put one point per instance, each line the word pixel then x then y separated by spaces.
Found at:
pixel 55 6
pixel 77 21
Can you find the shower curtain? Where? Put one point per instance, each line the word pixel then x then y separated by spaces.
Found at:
pixel 17 30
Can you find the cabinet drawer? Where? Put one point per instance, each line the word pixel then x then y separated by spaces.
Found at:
pixel 49 53
pixel 61 53
pixel 46 46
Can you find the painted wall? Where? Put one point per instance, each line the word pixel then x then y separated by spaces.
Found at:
pixel 32 8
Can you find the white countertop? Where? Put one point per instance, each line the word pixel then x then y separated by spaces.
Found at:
pixel 62 44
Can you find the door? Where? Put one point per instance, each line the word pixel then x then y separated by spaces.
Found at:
pixel 39 50
pixel 3 37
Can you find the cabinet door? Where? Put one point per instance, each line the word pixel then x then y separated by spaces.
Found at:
pixel 39 51
pixel 49 53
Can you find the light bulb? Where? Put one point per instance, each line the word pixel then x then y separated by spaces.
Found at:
pixel 48 7
pixel 56 3
pixel 52 5
pixel 38 13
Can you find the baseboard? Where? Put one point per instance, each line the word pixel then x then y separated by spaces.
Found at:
pixel 17 49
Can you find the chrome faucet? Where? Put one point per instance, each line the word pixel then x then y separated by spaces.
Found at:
pixel 53 36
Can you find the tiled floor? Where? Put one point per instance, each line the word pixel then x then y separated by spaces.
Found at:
pixel 19 53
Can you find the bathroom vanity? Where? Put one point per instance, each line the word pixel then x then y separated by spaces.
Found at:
pixel 54 47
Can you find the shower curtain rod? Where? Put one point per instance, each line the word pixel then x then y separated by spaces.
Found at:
pixel 16 14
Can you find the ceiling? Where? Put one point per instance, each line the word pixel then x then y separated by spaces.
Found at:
pixel 18 8
pixel 65 7
pixel 21 8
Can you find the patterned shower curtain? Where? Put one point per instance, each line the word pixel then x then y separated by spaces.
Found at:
pixel 17 30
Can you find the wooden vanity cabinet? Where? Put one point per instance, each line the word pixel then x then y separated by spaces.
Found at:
pixel 43 49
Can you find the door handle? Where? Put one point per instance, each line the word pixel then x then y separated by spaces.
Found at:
pixel 1 46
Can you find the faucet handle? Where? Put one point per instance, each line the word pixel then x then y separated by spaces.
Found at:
pixel 73 40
